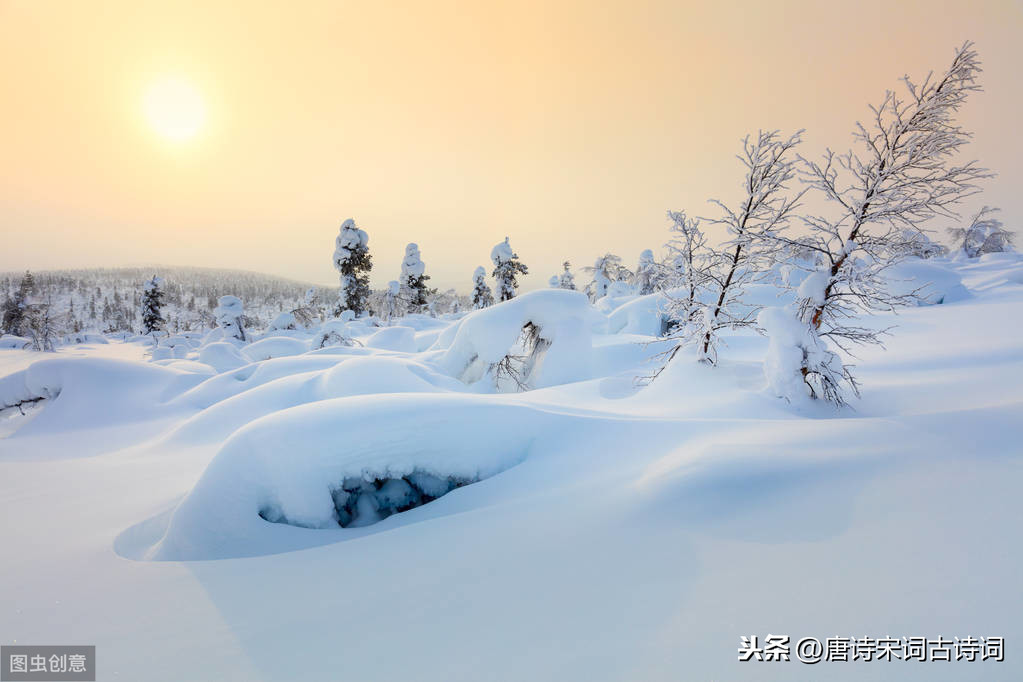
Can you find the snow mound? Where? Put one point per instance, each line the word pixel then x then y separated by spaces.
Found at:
pixel 283 321
pixel 342 462
pixel 936 282
pixel 641 315
pixel 274 347
pixel 401 339
pixel 85 393
pixel 14 342
pixel 221 356
pixel 561 319
pixel 352 376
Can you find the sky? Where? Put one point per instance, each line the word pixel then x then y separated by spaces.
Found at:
pixel 570 127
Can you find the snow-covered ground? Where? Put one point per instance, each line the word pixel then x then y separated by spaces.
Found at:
pixel 587 529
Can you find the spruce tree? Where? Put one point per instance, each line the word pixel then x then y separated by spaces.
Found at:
pixel 506 270
pixel 482 296
pixel 152 304
pixel 353 262
pixel 413 280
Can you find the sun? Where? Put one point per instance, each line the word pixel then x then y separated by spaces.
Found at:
pixel 174 108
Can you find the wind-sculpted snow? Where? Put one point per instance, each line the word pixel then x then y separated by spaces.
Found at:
pixel 348 377
pixel 83 393
pixel 295 466
pixel 254 374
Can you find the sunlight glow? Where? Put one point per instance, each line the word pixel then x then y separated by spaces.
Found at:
pixel 174 109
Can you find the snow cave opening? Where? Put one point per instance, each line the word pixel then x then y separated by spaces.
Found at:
pixel 362 501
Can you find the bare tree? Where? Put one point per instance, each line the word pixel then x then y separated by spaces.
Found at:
pixel 900 176
pixel 986 234
pixel 763 211
pixel 685 252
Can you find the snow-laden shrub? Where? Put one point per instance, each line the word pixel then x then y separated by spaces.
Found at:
pixel 333 333
pixel 798 363
pixel 229 313
pixel 542 338
pixel 172 348
pixel 283 322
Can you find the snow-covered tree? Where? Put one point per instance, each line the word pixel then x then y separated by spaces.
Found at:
pixel 152 306
pixel 16 308
pixel 686 251
pixel 41 325
pixel 918 244
pixel 985 234
pixel 413 280
pixel 607 269
pixel 554 282
pixel 901 174
pixel 506 270
pixel 646 275
pixel 482 296
pixel 567 279
pixel 391 305
pixel 353 262
pixel 230 315
pixel 763 210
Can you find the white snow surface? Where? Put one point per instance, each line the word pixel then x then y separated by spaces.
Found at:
pixel 184 514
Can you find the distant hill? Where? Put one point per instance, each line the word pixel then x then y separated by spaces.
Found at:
pixel 107 299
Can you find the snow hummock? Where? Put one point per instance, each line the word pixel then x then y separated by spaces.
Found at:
pixel 292 467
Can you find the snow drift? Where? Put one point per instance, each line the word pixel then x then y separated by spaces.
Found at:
pixel 307 467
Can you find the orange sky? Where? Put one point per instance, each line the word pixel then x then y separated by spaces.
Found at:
pixel 569 126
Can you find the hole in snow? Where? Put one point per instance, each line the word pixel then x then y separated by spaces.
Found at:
pixel 361 502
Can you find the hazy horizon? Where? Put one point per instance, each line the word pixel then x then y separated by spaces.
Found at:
pixel 568 128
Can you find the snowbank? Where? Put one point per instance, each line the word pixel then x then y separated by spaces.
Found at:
pixel 297 468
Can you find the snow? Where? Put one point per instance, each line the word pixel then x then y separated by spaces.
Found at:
pixel 378 510
pixel 502 252
pixel 814 286
pixel 284 320
pixel 221 356
pixel 486 336
pixel 349 239
pixel 933 280
pixel 274 347
pixel 394 338
pixel 412 266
